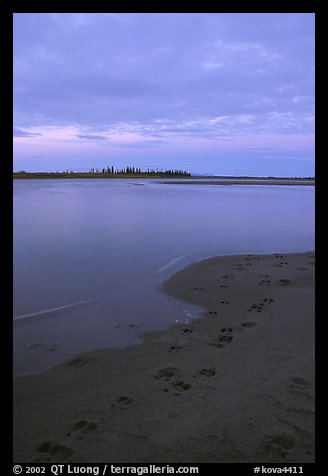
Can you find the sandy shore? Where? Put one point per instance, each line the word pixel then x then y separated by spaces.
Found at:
pixel 235 386
pixel 242 181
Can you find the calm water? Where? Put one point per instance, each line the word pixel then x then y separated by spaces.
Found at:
pixel 89 255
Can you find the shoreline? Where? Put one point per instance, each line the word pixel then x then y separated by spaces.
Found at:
pixel 178 180
pixel 234 386
pixel 259 181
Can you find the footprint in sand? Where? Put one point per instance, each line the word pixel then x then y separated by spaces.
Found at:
pixel 222 340
pixel 210 372
pixel 258 307
pixel 175 348
pixel 121 402
pixel 180 386
pixel 166 374
pixel 284 282
pixel 82 427
pixel 224 302
pixel 173 377
pixel 267 299
pixel 248 324
pixel 52 451
pixel 79 361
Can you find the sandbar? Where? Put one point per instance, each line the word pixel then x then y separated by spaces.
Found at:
pixel 236 385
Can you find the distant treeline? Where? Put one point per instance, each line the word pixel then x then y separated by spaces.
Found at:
pixel 105 172
pixel 138 171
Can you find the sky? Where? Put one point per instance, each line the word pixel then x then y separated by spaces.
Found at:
pixel 214 93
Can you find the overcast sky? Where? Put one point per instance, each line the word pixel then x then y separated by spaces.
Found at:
pixel 227 94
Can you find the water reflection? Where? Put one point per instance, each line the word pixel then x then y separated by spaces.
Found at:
pixel 113 242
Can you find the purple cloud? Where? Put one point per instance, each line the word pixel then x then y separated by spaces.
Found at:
pixel 136 80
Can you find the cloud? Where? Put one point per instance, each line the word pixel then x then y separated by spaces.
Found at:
pixel 91 137
pixel 175 78
pixel 22 133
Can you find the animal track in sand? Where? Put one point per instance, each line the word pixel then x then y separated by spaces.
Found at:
pixel 181 386
pixel 248 324
pixel 52 451
pixel 167 374
pixel 173 377
pixel 265 281
pixel 258 307
pixel 267 299
pixel 122 402
pixel 79 361
pixel 284 282
pixel 222 340
pixel 210 372
pixel 224 302
pixel 175 348
pixel 213 312
pixel 198 289
pixel 82 426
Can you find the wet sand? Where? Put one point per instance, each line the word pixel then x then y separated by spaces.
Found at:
pixel 234 386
